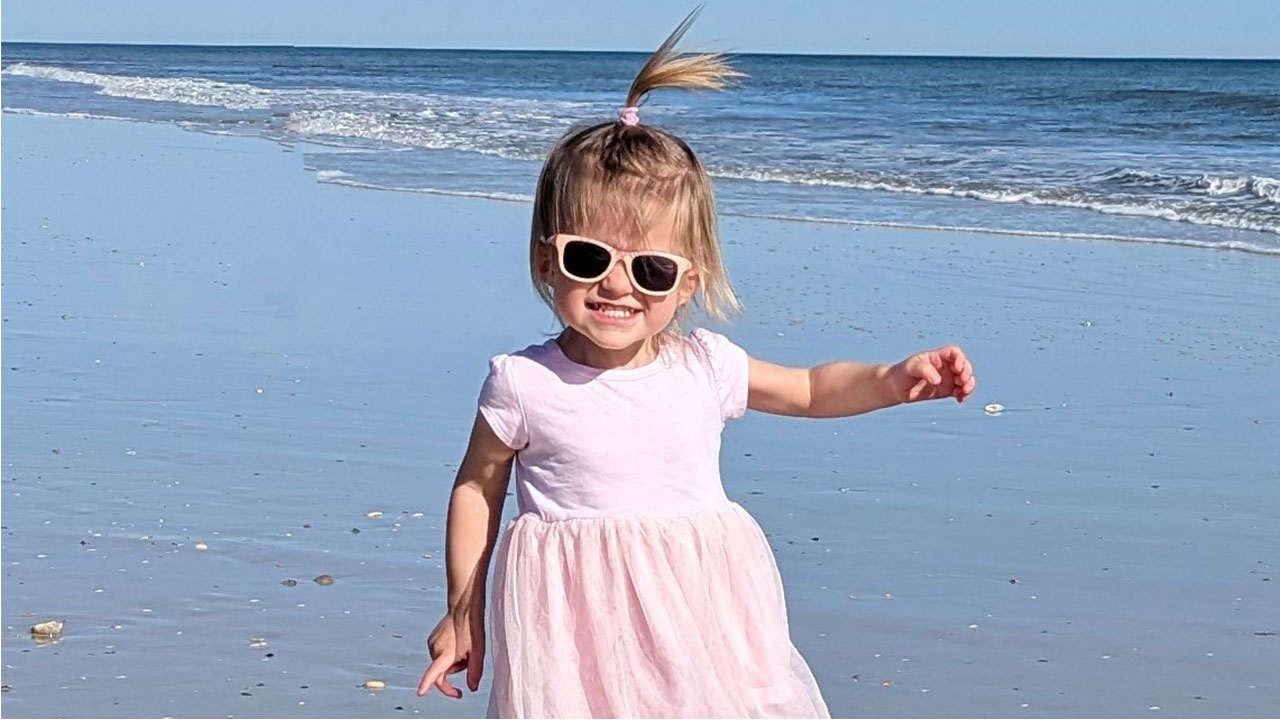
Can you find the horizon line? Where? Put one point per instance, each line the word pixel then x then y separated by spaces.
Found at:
pixel 638 52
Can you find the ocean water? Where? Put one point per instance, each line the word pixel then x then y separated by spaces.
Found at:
pixel 1163 151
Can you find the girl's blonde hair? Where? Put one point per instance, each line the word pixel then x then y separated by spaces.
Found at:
pixel 628 177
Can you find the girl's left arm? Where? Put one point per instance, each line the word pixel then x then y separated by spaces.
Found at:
pixel 840 389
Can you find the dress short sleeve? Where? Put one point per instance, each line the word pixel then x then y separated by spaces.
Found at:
pixel 728 369
pixel 500 403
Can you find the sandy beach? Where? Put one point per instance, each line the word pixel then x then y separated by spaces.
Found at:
pixel 220 375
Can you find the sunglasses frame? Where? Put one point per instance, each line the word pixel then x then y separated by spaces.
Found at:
pixel 560 240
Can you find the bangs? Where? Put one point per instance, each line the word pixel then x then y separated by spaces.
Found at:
pixel 622 210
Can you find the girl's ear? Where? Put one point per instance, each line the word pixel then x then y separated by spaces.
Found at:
pixel 689 286
pixel 545 262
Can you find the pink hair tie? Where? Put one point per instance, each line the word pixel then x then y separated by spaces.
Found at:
pixel 630 116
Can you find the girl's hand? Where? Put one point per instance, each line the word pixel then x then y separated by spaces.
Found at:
pixel 456 644
pixel 933 374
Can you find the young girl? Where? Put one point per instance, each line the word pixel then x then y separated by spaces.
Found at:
pixel 629 585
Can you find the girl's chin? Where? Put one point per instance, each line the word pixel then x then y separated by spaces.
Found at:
pixel 612 339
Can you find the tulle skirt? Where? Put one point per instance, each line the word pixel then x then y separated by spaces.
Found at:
pixel 643 617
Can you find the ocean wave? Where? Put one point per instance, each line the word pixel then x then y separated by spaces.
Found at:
pixel 1258 186
pixel 1183 99
pixel 1069 198
pixel 187 90
pixel 512 112
pixel 417 128
pixel 508 127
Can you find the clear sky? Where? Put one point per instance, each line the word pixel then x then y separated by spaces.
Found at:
pixel 1079 28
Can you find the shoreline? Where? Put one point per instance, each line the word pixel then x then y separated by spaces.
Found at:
pixel 206 344
pixel 1227 246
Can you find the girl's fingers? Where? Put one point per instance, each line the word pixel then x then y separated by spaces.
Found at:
pixel 917 390
pixel 447 688
pixel 435 671
pixel 475 661
pixel 928 369
pixel 955 357
pixel 437 674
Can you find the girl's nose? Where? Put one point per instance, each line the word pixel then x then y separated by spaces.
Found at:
pixel 616 283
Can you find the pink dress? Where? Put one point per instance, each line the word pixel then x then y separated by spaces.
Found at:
pixel 629 585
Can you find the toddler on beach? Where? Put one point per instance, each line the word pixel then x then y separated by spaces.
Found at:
pixel 629 585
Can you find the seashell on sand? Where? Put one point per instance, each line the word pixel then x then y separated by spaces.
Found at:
pixel 48 628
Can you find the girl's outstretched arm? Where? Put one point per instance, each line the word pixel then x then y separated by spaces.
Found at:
pixel 475 509
pixel 840 389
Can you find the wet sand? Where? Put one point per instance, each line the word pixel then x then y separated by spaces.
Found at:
pixel 202 344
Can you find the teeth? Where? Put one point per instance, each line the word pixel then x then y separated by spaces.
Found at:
pixel 613 311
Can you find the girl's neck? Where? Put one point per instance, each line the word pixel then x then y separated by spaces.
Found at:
pixel 584 352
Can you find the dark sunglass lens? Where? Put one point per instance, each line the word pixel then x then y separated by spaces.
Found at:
pixel 655 273
pixel 585 260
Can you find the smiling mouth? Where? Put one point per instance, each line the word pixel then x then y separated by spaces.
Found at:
pixel 616 312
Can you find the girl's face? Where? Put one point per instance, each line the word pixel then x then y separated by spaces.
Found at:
pixel 616 320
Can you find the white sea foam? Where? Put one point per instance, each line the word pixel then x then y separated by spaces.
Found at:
pixel 475 130
pixel 188 90
pixel 346 180
pixel 74 114
pixel 1179 212
pixel 1258 186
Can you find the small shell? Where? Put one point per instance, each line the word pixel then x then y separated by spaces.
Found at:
pixel 256 643
pixel 374 685
pixel 373 514
pixel 994 409
pixel 289 582
pixel 323 579
pixel 47 628
pixel 202 546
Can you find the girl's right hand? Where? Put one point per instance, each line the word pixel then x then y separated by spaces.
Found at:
pixel 456 644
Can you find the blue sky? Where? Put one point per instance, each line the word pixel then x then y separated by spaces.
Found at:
pixel 1088 28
